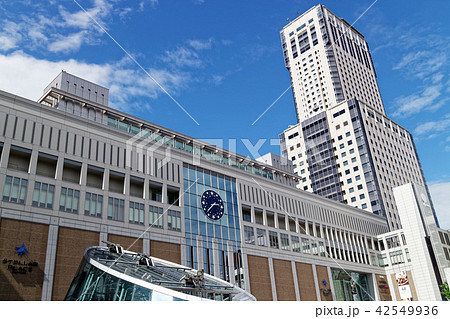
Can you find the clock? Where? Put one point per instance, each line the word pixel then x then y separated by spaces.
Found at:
pixel 212 205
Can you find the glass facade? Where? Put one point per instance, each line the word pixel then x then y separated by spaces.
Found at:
pixel 193 149
pixel 93 284
pixel 350 286
pixel 227 229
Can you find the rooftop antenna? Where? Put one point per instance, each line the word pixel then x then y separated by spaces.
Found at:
pixel 287 19
pixel 298 13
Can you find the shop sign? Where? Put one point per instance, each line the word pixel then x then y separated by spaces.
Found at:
pixel 403 286
pixel 20 266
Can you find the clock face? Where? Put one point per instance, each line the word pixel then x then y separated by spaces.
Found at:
pixel 212 205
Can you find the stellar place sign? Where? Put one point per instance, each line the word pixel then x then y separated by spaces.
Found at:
pixel 19 266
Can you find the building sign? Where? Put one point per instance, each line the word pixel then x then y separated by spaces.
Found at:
pixel 403 286
pixel 20 266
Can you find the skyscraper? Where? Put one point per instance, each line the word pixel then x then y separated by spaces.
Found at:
pixel 343 147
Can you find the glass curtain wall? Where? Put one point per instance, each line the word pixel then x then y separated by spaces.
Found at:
pixel 196 181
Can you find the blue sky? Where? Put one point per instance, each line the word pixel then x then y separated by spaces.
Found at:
pixel 222 61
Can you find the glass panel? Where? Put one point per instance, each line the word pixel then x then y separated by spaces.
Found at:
pixel 23 191
pixel 15 190
pixel 7 189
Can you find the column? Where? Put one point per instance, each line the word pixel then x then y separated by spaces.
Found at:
pixel 230 262
pixel 50 258
pixel 272 279
pixel 215 252
pixel 103 235
pixel 146 244
pixel 199 241
pixel 330 279
pixel 316 282
pixel 294 278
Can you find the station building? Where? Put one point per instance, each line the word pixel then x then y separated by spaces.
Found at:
pixel 75 173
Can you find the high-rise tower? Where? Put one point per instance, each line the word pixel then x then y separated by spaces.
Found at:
pixel 344 147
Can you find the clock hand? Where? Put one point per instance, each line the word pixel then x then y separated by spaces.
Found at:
pixel 214 204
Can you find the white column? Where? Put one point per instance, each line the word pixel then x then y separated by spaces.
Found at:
pixel 331 283
pixel 230 262
pixel 199 242
pixel 50 258
pixel 215 252
pixel 146 245
pixel 272 279
pixel 294 278
pixel 376 292
pixel 316 283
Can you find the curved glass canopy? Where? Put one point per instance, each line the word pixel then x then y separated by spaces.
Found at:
pixel 112 274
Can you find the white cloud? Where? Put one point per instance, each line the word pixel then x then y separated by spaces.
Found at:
pixel 182 57
pixel 414 103
pixel 440 194
pixel 201 44
pixel 83 18
pixel 433 126
pixel 218 79
pixel 422 63
pixel 7 42
pixel 10 36
pixel 68 43
pixel 27 76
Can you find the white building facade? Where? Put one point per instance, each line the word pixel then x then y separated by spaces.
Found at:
pixel 344 147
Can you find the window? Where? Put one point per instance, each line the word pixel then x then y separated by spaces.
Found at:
pixel 295 244
pixel 270 219
pixel 116 208
pixel 173 194
pixel 281 221
pixel 155 191
pixel 259 217
pixel 305 246
pixel 284 241
pixel 362 196
pixel 155 217
pixel 314 249
pixel 364 206
pixel 116 182
pixel 15 190
pixel 351 190
pixel 94 176
pixel 273 239
pixel 71 171
pixel 93 205
pixel 246 214
pixel 249 235
pixel 360 187
pixel 292 225
pixel 136 213
pixel 19 158
pixel 69 200
pixel 174 220
pixel 353 199
pixel 321 249
pixel 137 186
pixel 46 165
pixel 43 195
pixel 396 257
pixel 382 260
pixel 262 237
